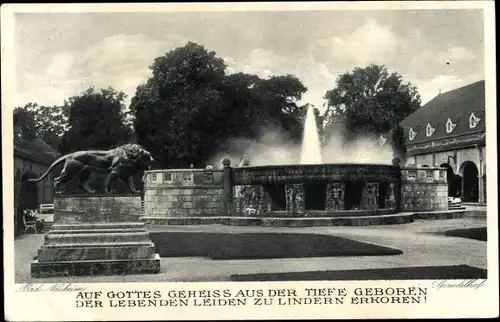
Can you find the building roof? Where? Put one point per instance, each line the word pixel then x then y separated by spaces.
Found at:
pixel 44 146
pixel 446 117
pixel 457 106
pixel 35 151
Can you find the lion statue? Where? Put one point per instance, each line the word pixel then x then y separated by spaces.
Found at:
pixel 121 163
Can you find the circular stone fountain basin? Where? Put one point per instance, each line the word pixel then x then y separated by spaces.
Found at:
pixel 317 190
pixel 335 172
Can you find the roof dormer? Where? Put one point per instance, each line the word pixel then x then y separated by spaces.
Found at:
pixel 429 130
pixel 450 126
pixel 411 134
pixel 382 140
pixel 473 121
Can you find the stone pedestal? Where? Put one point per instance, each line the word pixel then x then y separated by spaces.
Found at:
pixel 95 248
pixel 97 208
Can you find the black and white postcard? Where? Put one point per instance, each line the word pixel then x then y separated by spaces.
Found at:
pixel 277 160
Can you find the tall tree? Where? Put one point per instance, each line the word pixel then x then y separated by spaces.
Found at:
pixel 189 107
pixel 96 121
pixel 176 111
pixel 45 122
pixel 370 100
pixel 24 121
pixel 279 96
pixel 398 143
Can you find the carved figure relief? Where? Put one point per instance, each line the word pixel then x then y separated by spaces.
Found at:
pixel 249 200
pixel 187 176
pixel 208 177
pixel 370 196
pixel 335 196
pixel 294 198
pixel 390 199
pixel 167 177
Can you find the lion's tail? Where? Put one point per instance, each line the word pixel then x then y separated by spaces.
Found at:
pixel 50 169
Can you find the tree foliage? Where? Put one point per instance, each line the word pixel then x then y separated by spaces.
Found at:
pixel 96 121
pixel 189 107
pixel 370 101
pixel 25 121
pixel 45 122
pixel 398 142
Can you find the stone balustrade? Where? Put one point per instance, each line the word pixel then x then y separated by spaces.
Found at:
pixel 424 189
pixel 183 193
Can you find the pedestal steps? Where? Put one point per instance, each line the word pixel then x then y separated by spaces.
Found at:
pixel 96 249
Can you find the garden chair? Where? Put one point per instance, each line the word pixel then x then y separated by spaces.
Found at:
pixel 31 222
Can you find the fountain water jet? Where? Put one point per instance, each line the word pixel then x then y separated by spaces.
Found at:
pixel 311 145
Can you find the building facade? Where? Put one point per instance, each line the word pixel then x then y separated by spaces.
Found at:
pixel 449 131
pixel 32 159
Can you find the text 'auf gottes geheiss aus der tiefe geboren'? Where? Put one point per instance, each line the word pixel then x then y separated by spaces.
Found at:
pixel 254 297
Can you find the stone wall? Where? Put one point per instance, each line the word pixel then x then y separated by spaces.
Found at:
pixel 424 189
pixel 464 155
pixel 183 193
pixel 425 159
pixel 437 158
pixel 443 157
pixel 411 160
pixel 97 208
pixel 457 158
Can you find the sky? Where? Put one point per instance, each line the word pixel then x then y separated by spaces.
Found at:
pixel 58 55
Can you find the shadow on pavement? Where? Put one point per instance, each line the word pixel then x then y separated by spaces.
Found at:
pixel 224 246
pixel 471 233
pixel 405 273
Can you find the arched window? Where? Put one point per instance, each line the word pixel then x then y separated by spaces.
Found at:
pixel 473 121
pixel 450 126
pixel 429 130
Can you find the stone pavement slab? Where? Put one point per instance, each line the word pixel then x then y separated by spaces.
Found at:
pixel 420 246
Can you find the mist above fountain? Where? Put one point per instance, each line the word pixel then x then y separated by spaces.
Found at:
pixel 311 145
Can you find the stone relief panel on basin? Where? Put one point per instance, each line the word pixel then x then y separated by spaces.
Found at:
pixel 370 196
pixel 335 196
pixel 294 198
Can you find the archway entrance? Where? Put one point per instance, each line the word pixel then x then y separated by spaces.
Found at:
pixel 454 181
pixel 27 198
pixel 470 191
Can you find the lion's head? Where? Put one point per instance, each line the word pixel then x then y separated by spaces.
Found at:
pixel 140 157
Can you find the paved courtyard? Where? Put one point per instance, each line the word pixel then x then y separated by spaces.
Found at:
pixel 422 243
